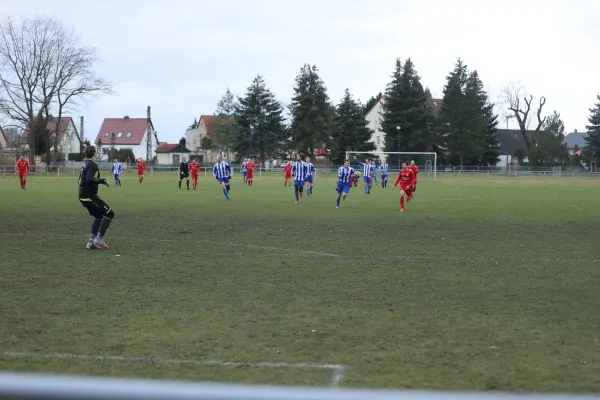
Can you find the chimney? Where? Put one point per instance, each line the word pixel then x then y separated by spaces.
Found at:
pixel 575 130
pixel 126 117
pixel 81 135
pixel 148 112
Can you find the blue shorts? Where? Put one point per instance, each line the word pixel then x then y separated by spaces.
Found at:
pixel 343 187
pixel 298 183
pixel 244 172
pixel 310 179
pixel 384 176
pixel 367 179
pixel 224 180
pixel 117 176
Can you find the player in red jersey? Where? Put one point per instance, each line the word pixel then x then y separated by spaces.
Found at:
pixel 141 169
pixel 413 167
pixel 23 171
pixel 287 170
pixel 406 179
pixel 250 167
pixel 195 171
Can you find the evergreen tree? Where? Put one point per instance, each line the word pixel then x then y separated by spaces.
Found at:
pixel 371 102
pixel 405 108
pixel 259 123
pixel 194 124
pixel 224 126
pixel 351 131
pixel 592 140
pixel 311 112
pixel 555 125
pixel 484 122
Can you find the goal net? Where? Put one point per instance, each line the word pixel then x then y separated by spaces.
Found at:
pixel 427 162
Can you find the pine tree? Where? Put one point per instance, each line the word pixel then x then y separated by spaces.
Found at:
pixel 351 131
pixel 405 108
pixel 555 125
pixel 260 110
pixel 194 124
pixel 484 122
pixel 592 140
pixel 311 112
pixel 224 126
pixel 371 102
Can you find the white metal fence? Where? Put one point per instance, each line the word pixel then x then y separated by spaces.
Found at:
pixel 15 386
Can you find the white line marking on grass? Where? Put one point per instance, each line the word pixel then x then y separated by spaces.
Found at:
pixel 337 370
pixel 516 258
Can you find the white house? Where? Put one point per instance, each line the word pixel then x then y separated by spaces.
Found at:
pixel 171 154
pixel 128 133
pixel 193 138
pixel 68 137
pixel 374 116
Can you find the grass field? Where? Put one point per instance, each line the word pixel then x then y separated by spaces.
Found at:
pixel 476 286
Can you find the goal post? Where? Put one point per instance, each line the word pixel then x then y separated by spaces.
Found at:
pixel 426 161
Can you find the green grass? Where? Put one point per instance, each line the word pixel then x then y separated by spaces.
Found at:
pixel 476 286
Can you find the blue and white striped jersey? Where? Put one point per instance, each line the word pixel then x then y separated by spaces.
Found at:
pixel 367 168
pixel 243 166
pixel 222 170
pixel 300 171
pixel 345 174
pixel 384 169
pixel 310 169
pixel 116 169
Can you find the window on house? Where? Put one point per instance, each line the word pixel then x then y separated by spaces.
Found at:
pixel 119 134
pixel 107 134
pixel 129 134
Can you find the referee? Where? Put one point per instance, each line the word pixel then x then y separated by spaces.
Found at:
pixel 184 173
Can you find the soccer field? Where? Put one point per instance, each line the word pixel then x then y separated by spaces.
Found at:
pixel 476 286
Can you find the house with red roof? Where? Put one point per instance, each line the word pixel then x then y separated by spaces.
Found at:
pixel 127 133
pixel 171 153
pixel 195 140
pixel 68 137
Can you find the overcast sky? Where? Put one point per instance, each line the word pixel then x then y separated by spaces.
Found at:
pixel 179 56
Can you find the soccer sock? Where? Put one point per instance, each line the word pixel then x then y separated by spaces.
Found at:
pixel 95 228
pixel 401 201
pixel 179 184
pixel 337 202
pixel 225 193
pixel 187 182
pixel 104 224
pixel 297 194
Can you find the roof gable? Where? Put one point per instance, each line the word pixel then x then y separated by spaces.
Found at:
pixel 575 139
pixel 3 138
pixel 510 140
pixel 209 121
pixel 51 126
pixel 172 148
pixel 128 131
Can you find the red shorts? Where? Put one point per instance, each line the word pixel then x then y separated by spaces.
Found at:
pixel 195 177
pixel 288 176
pixel 22 174
pixel 140 172
pixel 249 176
pixel 408 190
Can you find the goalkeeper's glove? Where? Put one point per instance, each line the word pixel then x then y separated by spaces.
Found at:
pixel 103 181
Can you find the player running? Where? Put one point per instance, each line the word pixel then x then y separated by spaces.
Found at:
pixel 141 169
pixel 375 172
pixel 413 167
pixel 345 176
pixel 384 173
pixel 222 172
pixel 116 171
pixel 184 173
pixel 310 176
pixel 195 171
pixel 299 170
pixel 89 179
pixel 249 171
pixel 287 171
pixel 406 179
pixel 243 171
pixel 367 174
pixel 23 170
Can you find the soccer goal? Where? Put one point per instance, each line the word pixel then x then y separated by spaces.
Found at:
pixel 427 162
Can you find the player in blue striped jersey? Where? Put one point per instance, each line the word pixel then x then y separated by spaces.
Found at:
pixel 345 175
pixel 367 173
pixel 310 171
pixel 243 170
pixel 384 173
pixel 299 172
pixel 223 173
pixel 116 172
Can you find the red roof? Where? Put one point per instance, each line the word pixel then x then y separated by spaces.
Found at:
pixel 51 127
pixel 171 148
pixel 209 121
pixel 128 131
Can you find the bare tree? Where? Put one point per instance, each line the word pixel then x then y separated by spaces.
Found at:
pixel 518 102
pixel 43 69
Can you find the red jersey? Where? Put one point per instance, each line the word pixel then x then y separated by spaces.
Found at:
pixel 288 169
pixel 250 167
pixel 414 169
pixel 195 168
pixel 141 167
pixel 22 166
pixel 405 178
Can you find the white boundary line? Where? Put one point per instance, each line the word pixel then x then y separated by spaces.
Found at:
pixel 322 254
pixel 337 371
